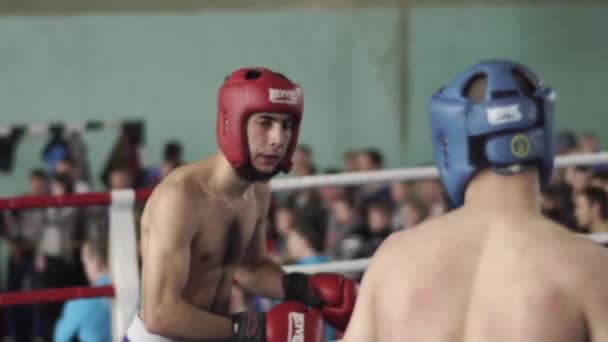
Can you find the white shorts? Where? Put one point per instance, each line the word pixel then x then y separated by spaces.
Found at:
pixel 137 333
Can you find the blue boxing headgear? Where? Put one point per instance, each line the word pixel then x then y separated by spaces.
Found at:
pixel 510 126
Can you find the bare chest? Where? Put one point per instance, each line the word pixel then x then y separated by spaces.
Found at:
pixel 224 234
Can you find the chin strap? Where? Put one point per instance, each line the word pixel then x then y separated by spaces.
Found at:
pixel 251 174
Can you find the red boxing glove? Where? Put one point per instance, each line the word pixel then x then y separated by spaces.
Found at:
pixel 332 293
pixel 294 322
pixel 288 321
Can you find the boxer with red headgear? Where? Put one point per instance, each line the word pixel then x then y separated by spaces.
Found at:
pixel 204 228
pixel 239 100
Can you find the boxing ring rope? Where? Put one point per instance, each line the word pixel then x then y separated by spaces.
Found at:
pixel 412 173
pixel 281 184
pixel 358 265
pixel 71 200
pixel 54 295
pixel 123 257
pixel 122 252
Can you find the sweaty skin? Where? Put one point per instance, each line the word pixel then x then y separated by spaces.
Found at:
pixel 485 272
pixel 202 229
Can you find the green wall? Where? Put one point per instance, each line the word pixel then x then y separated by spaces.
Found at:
pixel 167 68
pixel 565 45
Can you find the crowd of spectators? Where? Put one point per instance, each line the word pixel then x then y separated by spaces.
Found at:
pixel 59 247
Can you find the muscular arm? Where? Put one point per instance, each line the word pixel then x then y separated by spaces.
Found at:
pixel 166 261
pixel 257 273
pixel 363 323
pixel 597 301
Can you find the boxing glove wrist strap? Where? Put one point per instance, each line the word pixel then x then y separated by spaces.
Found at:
pixel 297 287
pixel 248 327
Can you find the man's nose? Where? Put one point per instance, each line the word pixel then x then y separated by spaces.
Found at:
pixel 277 135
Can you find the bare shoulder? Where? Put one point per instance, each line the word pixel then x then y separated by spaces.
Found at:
pixel 188 180
pixel 441 227
pixel 590 253
pixel 182 182
pixel 189 172
pixel 170 191
pixel 582 256
pixel 567 241
pixel 587 276
pixel 395 247
pixel 174 197
pixel 379 263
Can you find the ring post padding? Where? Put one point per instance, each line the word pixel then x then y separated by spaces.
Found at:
pixel 123 261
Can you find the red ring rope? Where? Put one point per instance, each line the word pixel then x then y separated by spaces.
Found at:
pixel 72 200
pixel 54 295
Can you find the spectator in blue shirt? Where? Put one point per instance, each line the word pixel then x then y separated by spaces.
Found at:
pixel 88 319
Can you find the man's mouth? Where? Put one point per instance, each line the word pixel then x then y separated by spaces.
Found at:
pixel 269 159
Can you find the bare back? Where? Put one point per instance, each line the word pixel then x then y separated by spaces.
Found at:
pixel 476 277
pixel 192 234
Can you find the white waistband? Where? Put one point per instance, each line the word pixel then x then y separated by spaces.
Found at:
pixel 137 333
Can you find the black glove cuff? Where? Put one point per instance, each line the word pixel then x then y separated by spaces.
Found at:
pixel 248 327
pixel 296 287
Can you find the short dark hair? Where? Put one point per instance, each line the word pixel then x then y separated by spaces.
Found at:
pixel 65 181
pixel 68 159
pixel 348 200
pixel 313 234
pixel 331 171
pixel 121 168
pixel 597 196
pixel 382 206
pixel 601 174
pixel 37 173
pixel 375 155
pixel 418 204
pixel 173 151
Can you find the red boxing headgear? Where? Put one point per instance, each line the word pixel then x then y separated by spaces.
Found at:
pixel 246 92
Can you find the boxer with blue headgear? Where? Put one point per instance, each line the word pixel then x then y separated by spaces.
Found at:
pixel 493 269
pixel 511 125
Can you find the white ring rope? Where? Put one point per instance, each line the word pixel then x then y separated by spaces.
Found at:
pixel 346 266
pixel 413 173
pixel 355 178
pixel 359 265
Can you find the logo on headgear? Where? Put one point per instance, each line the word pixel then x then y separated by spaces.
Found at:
pixel 282 96
pixel 520 146
pixel 505 114
pixel 296 327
